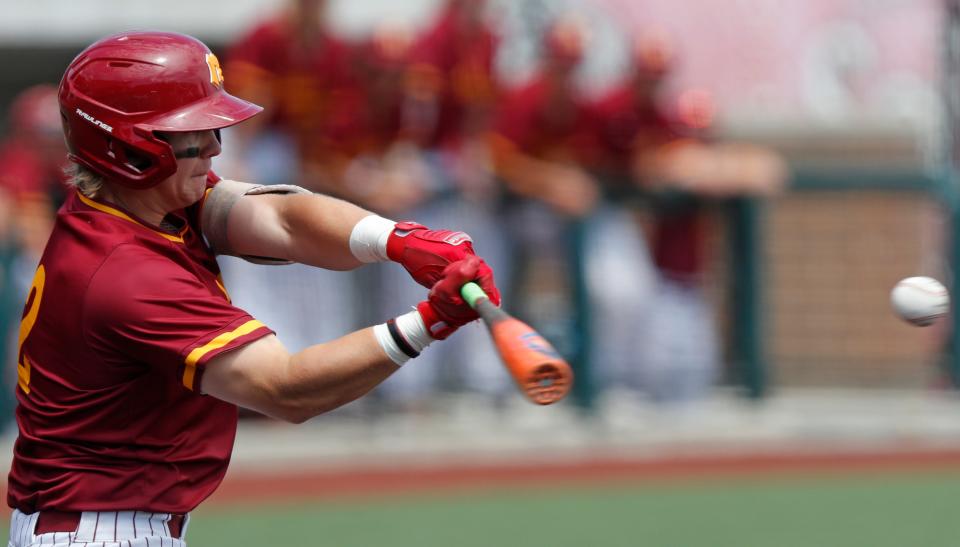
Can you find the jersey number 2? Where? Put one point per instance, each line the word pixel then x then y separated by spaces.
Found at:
pixel 26 325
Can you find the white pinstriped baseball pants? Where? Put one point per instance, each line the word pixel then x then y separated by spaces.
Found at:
pixel 100 529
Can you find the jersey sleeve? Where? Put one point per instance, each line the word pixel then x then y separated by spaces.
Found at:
pixel 144 308
pixel 514 122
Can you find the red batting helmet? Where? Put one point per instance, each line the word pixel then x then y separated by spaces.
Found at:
pixel 123 88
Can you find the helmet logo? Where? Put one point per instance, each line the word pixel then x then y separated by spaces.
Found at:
pixel 216 74
pixel 94 121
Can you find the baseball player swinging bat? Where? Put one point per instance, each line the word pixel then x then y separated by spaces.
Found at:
pixel 542 375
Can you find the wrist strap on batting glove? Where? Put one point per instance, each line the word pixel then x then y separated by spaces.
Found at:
pixel 396 242
pixel 437 328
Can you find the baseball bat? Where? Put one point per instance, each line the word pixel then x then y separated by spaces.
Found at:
pixel 542 375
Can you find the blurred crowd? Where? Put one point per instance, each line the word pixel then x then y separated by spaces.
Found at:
pixel 593 209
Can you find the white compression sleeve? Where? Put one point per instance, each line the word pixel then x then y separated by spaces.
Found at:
pixel 368 239
pixel 403 338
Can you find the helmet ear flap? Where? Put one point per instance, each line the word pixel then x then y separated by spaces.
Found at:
pixel 148 155
pixel 140 162
pixel 127 157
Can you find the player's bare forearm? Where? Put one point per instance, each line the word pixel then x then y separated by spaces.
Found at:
pixel 565 187
pixel 319 229
pixel 309 229
pixel 523 174
pixel 326 376
pixel 264 377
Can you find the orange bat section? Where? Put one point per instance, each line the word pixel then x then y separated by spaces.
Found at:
pixel 538 369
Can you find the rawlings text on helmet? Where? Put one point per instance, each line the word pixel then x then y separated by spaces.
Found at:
pixel 95 121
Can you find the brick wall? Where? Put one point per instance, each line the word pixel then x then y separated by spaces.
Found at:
pixel 831 258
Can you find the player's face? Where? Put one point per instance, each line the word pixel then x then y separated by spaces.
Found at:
pixel 194 151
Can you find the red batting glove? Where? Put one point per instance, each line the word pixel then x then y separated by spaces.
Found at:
pixel 425 253
pixel 445 310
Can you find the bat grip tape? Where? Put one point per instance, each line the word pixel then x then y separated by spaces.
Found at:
pixel 472 293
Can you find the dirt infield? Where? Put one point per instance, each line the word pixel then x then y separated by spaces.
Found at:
pixel 245 487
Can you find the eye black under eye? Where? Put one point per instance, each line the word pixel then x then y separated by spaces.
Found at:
pixel 192 152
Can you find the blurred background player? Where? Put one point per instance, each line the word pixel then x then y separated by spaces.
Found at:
pixel 453 82
pixel 621 275
pixel 32 159
pixel 300 71
pixel 543 132
pixel 657 153
pixel 383 169
pixel 32 151
pixel 31 168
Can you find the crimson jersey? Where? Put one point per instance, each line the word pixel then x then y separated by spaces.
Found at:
pixel 24 170
pixel 626 125
pixel 119 323
pixel 373 110
pixel 308 83
pixel 623 125
pixel 548 124
pixel 454 58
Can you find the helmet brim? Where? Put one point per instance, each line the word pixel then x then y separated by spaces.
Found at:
pixel 215 112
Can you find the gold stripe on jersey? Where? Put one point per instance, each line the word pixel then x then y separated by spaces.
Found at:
pixel 120 214
pixel 26 325
pixel 223 287
pixel 223 339
pixel 203 200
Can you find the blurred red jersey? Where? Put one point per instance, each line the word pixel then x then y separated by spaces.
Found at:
pixel 308 84
pixel 24 170
pixel 453 62
pixel 626 126
pixel 119 324
pixel 555 126
pixel 373 110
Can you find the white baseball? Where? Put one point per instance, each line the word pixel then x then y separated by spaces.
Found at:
pixel 920 300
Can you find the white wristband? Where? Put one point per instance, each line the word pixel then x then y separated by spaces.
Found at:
pixel 390 347
pixel 368 239
pixel 412 333
pixel 414 330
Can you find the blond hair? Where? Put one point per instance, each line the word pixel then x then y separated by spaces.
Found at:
pixel 83 179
